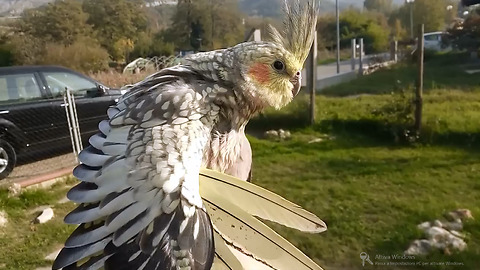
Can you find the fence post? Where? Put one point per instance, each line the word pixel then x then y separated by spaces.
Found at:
pixel 394 51
pixel 354 53
pixel 312 77
pixel 72 120
pixel 419 88
pixel 360 57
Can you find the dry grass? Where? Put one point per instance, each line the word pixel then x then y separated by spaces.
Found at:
pixel 115 79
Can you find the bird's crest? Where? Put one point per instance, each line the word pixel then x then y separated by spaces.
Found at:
pixel 299 28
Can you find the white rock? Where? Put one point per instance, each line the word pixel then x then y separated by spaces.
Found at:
pixel 435 232
pixel 14 190
pixel 462 214
pixel 317 140
pixel 437 223
pixel 52 256
pixel 458 244
pixel 453 226
pixel 45 216
pixel 3 219
pixel 419 247
pixel 424 226
pixel 438 237
pixel 443 239
pixel 271 134
pixel 458 234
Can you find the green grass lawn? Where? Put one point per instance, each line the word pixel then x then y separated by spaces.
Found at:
pixel 442 71
pixel 23 244
pixel 372 195
pixel 370 190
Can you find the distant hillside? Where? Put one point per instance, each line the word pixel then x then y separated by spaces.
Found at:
pixel 265 8
pixel 15 7
pixel 273 8
pixel 10 8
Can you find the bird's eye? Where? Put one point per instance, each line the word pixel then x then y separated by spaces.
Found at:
pixel 279 65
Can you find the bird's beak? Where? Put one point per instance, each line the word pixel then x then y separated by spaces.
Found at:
pixel 296 81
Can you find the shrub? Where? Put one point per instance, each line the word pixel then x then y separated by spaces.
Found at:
pixel 397 116
pixel 6 55
pixel 116 79
pixel 25 49
pixel 84 55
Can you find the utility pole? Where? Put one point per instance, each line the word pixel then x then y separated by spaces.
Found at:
pixel 419 88
pixel 354 53
pixel 410 2
pixel 312 77
pixel 338 35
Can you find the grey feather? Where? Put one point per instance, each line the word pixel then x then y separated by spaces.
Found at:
pixel 97 141
pixel 69 256
pixel 83 214
pixel 116 222
pixel 90 156
pixel 85 173
pixel 84 236
pixel 118 134
pixel 104 127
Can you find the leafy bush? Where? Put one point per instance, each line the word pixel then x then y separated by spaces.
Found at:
pixel 147 46
pixel 466 34
pixel 6 55
pixel 25 49
pixel 84 55
pixel 355 24
pixel 397 116
pixel 116 79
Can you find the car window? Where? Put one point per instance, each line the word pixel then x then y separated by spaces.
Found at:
pixel 431 37
pixel 18 88
pixel 58 81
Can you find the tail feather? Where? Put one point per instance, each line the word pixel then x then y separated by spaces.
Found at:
pixel 257 201
pixel 224 258
pixel 179 246
pixel 254 239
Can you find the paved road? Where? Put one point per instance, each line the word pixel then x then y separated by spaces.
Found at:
pixel 329 70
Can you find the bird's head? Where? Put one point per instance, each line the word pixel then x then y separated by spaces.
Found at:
pixel 271 71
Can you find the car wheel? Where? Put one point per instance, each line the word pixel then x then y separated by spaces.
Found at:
pixel 8 158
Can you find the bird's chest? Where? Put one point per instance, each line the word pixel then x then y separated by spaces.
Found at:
pixel 224 151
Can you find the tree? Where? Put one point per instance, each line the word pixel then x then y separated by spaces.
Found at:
pixel 61 22
pixel 355 24
pixel 217 23
pixel 431 13
pixel 398 31
pixel 383 6
pixel 115 20
pixel 466 34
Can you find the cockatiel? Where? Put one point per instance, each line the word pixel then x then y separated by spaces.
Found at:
pixel 145 202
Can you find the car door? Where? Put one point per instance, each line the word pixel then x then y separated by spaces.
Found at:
pixel 25 104
pixel 90 102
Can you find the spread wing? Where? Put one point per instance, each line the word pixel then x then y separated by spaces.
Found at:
pixel 233 205
pixel 140 206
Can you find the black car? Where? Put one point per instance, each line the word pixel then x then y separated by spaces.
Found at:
pixel 32 110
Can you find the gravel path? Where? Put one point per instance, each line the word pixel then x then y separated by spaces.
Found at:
pixel 45 166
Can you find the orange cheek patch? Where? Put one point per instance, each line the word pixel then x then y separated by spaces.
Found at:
pixel 260 72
